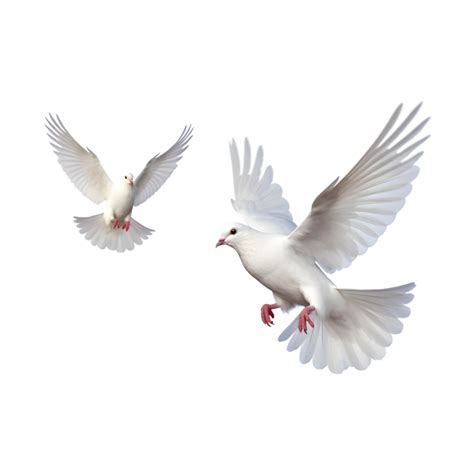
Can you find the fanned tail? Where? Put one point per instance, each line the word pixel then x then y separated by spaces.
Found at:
pixel 101 234
pixel 356 335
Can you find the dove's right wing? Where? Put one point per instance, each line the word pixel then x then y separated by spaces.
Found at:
pixel 351 214
pixel 80 164
pixel 259 201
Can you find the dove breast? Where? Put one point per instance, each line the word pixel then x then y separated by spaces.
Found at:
pixel 291 275
pixel 121 198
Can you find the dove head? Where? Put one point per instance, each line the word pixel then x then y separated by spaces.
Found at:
pixel 233 235
pixel 128 178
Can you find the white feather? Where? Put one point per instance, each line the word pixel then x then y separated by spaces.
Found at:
pixel 81 165
pixel 349 216
pixel 259 202
pixel 96 229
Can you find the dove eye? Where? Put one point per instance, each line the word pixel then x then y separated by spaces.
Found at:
pixel 124 177
pixel 233 231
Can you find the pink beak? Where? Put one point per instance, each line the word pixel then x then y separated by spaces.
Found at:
pixel 220 242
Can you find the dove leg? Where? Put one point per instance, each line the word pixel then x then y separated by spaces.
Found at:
pixel 266 313
pixel 304 319
pixel 126 223
pixel 109 217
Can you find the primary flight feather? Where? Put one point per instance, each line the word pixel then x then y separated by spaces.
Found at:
pixel 337 328
pixel 115 229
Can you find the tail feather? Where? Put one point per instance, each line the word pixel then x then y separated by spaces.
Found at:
pixel 355 336
pixel 319 357
pixel 296 340
pixel 309 346
pixel 289 330
pixel 101 234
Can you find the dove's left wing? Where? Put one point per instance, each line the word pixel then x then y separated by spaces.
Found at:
pixel 160 167
pixel 80 164
pixel 350 215
pixel 258 200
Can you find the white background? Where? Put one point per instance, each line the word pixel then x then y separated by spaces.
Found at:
pixel 156 361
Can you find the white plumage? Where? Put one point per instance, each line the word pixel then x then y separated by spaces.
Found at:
pixel 114 229
pixel 337 328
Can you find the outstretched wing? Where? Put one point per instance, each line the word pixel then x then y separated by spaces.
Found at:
pixel 350 215
pixel 259 201
pixel 80 164
pixel 160 167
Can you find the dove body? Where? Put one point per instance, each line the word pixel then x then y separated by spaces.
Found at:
pixel 119 204
pixel 293 277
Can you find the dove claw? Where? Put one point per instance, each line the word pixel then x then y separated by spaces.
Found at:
pixel 115 223
pixel 267 315
pixel 126 226
pixel 304 319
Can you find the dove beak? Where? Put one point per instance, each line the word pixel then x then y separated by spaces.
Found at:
pixel 220 242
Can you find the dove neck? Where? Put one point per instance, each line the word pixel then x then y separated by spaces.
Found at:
pixel 251 244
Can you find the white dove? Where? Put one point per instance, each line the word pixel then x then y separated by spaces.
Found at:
pixel 115 229
pixel 337 328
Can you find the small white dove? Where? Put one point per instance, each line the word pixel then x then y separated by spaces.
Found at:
pixel 115 229
pixel 337 328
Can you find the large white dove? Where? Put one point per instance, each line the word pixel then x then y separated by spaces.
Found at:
pixel 337 328
pixel 115 229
